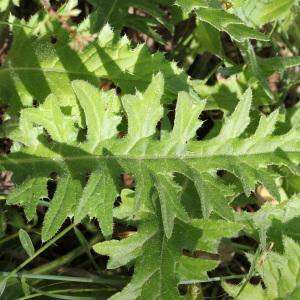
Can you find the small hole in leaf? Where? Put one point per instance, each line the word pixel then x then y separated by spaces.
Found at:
pixel 5 145
pixel 127 180
pixel 106 85
pixel 118 90
pixel 122 231
pixel 3 109
pixel 51 185
pixel 118 201
pixel 53 40
pixel 35 103
pixel 220 173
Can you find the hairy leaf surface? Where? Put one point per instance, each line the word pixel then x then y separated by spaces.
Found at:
pixel 49 68
pixel 140 153
pixel 211 12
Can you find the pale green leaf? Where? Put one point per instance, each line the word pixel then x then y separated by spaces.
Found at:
pixel 211 233
pixel 151 162
pixel 60 127
pixel 29 193
pixel 62 205
pixel 26 242
pixel 88 178
pixel 239 120
pixel 146 105
pixel 256 70
pixel 99 109
pixel 97 199
pixel 169 202
pixel 49 68
pixel 280 274
pixel 259 12
pixel 267 124
pixel 229 23
pixel 191 270
pixel 207 39
pixel 213 195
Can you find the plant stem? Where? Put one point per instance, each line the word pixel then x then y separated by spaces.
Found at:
pixel 37 253
pixel 8 238
pixel 213 279
pixel 110 280
pixel 15 25
pixel 250 273
pixel 55 264
pixel 59 296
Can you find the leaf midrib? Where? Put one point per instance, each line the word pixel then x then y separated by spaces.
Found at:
pixel 135 157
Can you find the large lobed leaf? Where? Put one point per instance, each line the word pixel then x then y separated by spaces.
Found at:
pixel 87 167
pixel 158 261
pixel 49 67
pixel 152 162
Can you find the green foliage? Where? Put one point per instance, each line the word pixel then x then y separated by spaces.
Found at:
pixel 53 66
pixel 274 221
pixel 213 14
pixel 4 5
pixel 156 272
pixel 280 274
pixel 106 12
pixel 259 12
pixel 26 242
pixel 152 162
pixel 212 159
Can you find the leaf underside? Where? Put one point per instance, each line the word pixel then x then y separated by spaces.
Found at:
pixel 87 172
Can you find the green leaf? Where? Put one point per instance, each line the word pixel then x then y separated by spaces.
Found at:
pixel 26 242
pixel 116 13
pixel 53 66
pixel 2 286
pixel 62 205
pixel 210 11
pixel 190 269
pixel 156 272
pixel 223 95
pixel 239 120
pixel 29 193
pixel 101 115
pixel 97 199
pixel 146 104
pixel 60 127
pixel 207 38
pixel 88 178
pixel 229 23
pixel 5 4
pixel 259 12
pixel 213 194
pixel 257 72
pixel 188 5
pixel 271 222
pixel 211 233
pixel 280 274
pixel 186 121
pixel 169 202
pixel 277 64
